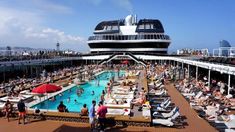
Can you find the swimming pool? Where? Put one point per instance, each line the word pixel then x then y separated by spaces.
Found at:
pixel 85 98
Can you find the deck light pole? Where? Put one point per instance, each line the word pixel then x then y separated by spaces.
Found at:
pixel 188 72
pixel 209 77
pixel 196 72
pixel 229 78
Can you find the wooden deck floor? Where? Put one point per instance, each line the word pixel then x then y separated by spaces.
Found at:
pixel 195 123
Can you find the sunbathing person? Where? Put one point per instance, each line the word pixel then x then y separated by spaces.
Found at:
pixel 154 91
pixel 211 111
pixel 227 118
pixel 138 101
pixel 229 103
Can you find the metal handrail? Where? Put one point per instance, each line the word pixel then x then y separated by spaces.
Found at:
pixel 129 37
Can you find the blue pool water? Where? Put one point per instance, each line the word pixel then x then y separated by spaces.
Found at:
pixel 85 97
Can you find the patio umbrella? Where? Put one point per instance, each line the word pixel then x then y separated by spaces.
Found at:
pixel 125 62
pixel 46 88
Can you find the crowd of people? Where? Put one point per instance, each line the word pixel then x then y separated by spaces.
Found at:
pixel 13 88
pixel 212 102
pixel 93 113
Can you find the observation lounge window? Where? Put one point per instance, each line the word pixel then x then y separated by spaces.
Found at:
pixel 141 36
pixel 164 36
pixel 158 36
pixel 109 28
pixel 145 36
pixel 122 37
pixel 154 36
pixel 114 27
pixel 147 26
pixel 141 27
pixel 148 36
pixel 119 38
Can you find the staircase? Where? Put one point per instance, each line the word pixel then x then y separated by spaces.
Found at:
pixel 107 59
pixel 128 54
pixel 138 60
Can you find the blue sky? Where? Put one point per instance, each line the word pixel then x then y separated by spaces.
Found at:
pixel 41 23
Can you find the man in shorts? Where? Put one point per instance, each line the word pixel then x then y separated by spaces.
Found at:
pixel 92 115
pixel 101 112
pixel 22 111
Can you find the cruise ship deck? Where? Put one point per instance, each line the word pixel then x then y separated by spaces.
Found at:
pixel 194 123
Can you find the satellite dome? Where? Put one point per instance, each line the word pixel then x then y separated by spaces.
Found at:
pixel 224 43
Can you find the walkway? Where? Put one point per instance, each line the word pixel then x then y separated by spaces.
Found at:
pixel 57 126
pixel 194 122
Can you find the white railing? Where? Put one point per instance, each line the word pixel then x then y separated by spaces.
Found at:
pixel 224 52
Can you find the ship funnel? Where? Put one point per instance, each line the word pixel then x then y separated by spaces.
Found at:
pixel 128 20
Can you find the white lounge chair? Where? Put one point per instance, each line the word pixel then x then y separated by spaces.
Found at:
pixel 165 115
pixel 166 122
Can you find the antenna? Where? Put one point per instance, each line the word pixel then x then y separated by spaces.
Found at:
pixel 58 46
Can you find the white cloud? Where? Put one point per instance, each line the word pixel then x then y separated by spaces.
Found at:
pixel 20 28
